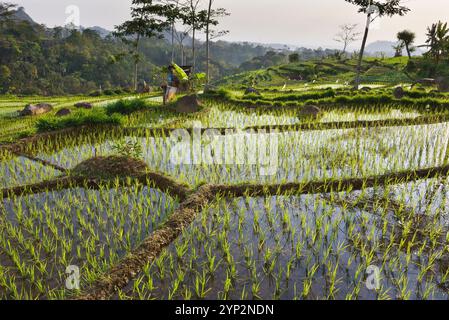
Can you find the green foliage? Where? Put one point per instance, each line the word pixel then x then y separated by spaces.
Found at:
pixel 199 76
pixel 271 58
pixel 81 118
pixel 78 63
pixel 128 148
pixel 293 58
pixel 438 41
pixel 407 38
pixel 298 97
pixel 427 68
pixel 385 8
pixel 325 70
pixel 36 60
pixel 222 94
pixel 418 100
pixel 126 107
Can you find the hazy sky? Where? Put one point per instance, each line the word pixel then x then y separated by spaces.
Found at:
pixel 296 22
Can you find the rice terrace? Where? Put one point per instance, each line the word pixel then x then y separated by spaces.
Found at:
pixel 163 161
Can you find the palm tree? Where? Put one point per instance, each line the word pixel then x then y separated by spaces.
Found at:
pixel 407 38
pixel 438 40
pixel 398 48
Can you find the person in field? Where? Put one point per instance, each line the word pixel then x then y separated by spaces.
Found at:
pixel 171 87
pixel 175 77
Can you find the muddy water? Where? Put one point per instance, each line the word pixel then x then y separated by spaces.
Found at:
pixel 253 246
pixel 85 228
pixel 281 157
pixel 351 116
pixel 217 118
pixel 21 171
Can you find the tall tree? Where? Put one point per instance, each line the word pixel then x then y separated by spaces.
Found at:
pixel 173 13
pixel 373 10
pixel 347 35
pixel 407 38
pixel 192 18
pixel 181 37
pixel 211 20
pixel 438 40
pixel 147 20
pixel 6 11
pixel 208 23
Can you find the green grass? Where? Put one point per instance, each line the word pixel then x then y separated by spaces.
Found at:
pixel 80 118
pixel 126 107
pixel 14 127
pixel 422 101
pixel 386 71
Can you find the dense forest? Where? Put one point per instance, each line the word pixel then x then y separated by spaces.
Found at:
pixel 35 59
pixel 38 60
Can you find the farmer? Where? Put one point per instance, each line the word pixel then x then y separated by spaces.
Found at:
pixel 171 88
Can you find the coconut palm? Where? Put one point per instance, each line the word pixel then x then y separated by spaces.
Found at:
pixel 438 40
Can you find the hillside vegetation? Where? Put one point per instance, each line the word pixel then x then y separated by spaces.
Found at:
pixel 331 70
pixel 36 60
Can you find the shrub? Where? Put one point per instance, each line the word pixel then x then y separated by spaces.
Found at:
pixel 126 107
pixel 128 148
pixel 220 94
pixel 96 93
pixel 109 92
pixel 81 118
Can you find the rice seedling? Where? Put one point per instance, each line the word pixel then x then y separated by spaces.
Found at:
pixel 334 268
pixel 284 245
pixel 298 156
pixel 88 229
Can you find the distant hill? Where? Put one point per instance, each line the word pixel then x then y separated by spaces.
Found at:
pixel 101 31
pixel 272 46
pixel 386 47
pixel 21 15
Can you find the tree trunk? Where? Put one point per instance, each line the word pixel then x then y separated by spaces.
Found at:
pixel 209 11
pixel 193 50
pixel 136 62
pixel 362 50
pixel 438 57
pixel 408 51
pixel 182 55
pixel 136 70
pixel 173 42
